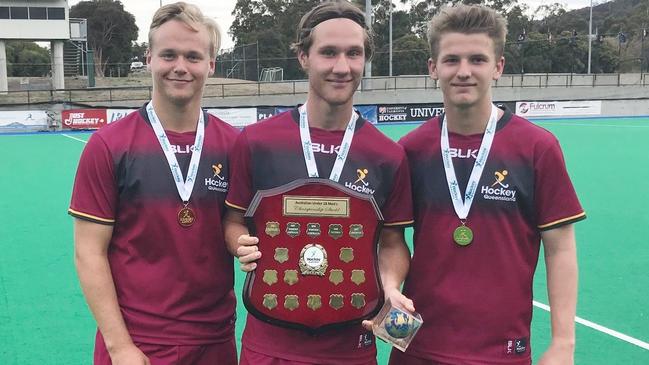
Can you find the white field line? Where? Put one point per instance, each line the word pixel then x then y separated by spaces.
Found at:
pixel 75 138
pixel 601 328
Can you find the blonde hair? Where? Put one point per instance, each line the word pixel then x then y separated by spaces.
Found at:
pixel 191 16
pixel 326 11
pixel 467 19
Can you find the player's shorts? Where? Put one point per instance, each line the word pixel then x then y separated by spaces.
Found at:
pixel 249 357
pixel 209 354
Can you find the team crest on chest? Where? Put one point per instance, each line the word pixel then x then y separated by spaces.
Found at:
pixel 362 182
pixel 218 181
pixel 500 188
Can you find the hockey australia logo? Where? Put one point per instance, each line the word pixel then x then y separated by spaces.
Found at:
pixel 499 190
pixel 360 184
pixel 217 182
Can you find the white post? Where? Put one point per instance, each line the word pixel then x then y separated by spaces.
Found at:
pixel 590 35
pixel 4 83
pixel 58 79
pixel 390 38
pixel 368 21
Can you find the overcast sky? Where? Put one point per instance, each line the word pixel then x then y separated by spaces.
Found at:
pixel 221 11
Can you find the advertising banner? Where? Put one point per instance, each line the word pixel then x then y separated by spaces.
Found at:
pixel 115 114
pixel 83 118
pixel 23 119
pixel 266 112
pixel 368 112
pixel 398 113
pixel 558 108
pixel 237 117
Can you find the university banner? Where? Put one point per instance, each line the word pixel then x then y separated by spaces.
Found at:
pixel 399 113
pixel 83 118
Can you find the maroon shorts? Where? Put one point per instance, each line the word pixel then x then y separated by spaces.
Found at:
pixel 209 354
pixel 249 357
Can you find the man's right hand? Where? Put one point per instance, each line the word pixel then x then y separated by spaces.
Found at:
pixel 248 252
pixel 129 355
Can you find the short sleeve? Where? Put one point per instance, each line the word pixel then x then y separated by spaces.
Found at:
pixel 555 199
pixel 397 210
pixel 94 196
pixel 240 192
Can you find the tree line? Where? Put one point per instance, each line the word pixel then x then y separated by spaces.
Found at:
pixel 546 39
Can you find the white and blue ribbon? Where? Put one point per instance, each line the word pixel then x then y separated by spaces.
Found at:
pixel 462 207
pixel 184 186
pixel 309 158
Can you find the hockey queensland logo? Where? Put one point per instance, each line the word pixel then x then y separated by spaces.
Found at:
pixel 217 182
pixel 360 184
pixel 500 189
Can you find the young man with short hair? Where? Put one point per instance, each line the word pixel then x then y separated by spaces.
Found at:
pixel 332 46
pixel 488 187
pixel 148 201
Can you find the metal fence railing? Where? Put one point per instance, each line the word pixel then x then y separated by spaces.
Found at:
pixel 143 93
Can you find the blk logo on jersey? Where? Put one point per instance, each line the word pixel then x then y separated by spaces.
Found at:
pixel 460 153
pixel 217 182
pixel 182 149
pixel 324 148
pixel 499 189
pixel 361 185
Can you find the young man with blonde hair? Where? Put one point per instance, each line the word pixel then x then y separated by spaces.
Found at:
pixel 148 201
pixel 488 187
pixel 332 46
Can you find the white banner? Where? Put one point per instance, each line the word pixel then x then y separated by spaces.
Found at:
pixel 16 119
pixel 113 115
pixel 238 117
pixel 558 108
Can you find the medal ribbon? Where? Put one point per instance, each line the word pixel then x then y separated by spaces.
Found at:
pixel 462 207
pixel 309 157
pixel 184 187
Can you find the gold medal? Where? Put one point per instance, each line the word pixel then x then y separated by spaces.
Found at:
pixel 186 217
pixel 463 235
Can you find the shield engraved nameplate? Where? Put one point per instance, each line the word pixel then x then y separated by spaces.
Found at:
pixel 320 258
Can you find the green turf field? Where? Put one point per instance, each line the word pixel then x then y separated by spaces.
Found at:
pixel 44 319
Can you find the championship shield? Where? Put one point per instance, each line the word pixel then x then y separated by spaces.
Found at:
pixel 319 266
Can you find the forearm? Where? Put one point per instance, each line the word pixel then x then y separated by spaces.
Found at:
pixel 99 290
pixel 91 243
pixel 234 227
pixel 562 274
pixel 394 258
